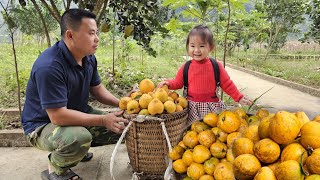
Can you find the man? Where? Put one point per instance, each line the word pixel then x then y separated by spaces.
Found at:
pixel 56 115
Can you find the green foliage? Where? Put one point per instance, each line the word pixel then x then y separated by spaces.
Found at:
pixel 314 32
pixel 29 22
pixel 283 16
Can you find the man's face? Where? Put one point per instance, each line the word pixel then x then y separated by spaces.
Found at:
pixel 86 38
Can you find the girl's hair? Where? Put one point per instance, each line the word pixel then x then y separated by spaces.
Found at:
pixel 204 32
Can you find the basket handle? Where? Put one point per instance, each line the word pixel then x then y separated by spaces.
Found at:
pixel 138 118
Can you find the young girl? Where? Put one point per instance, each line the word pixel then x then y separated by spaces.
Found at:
pixel 201 91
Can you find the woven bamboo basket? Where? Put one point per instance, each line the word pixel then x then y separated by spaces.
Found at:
pixel 146 143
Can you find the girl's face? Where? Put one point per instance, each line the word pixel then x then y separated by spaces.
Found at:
pixel 198 49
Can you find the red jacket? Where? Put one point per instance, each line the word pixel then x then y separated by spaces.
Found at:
pixel 201 82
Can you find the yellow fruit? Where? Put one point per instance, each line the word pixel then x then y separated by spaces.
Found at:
pixel 174 95
pixel 211 119
pixel 263 128
pixel 195 171
pixel 104 27
pixel 166 88
pixel 295 152
pixel 206 138
pixel 252 133
pixel 170 107
pixel 179 108
pixel 313 177
pixel 274 165
pixel 179 166
pixel 200 154
pixel 155 107
pixel 289 170
pixel 206 177
pixel 146 86
pixel 191 139
pixel 242 146
pixel 253 120
pixel 265 173
pixel 176 152
pixel 267 150
pixel 231 137
pixel 243 126
pixel 310 134
pixel 133 107
pixel 220 135
pixel 170 99
pixel 183 102
pixel 246 166
pixel 302 117
pixel 135 95
pixel 128 30
pixel 228 121
pixel 224 171
pixel 230 156
pixel 261 113
pixel 284 127
pixel 313 163
pixel 199 126
pixel 144 101
pixel 218 150
pixel 317 118
pixel 241 113
pixel 144 112
pixel 187 157
pixel 210 165
pixel 161 94
pixel 123 102
pixel 182 145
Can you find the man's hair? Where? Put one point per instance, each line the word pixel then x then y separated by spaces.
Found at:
pixel 71 19
pixel 204 32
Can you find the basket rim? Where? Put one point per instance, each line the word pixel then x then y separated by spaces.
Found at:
pixel 161 116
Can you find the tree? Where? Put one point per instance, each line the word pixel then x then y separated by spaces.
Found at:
pixel 314 32
pixel 12 28
pixel 145 15
pixel 283 15
pixel 33 19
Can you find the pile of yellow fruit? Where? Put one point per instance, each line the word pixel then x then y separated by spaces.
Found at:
pixel 264 146
pixel 151 101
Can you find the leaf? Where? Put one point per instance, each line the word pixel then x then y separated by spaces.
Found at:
pixel 256 99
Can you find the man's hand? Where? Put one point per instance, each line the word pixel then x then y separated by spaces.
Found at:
pixel 245 101
pixel 115 123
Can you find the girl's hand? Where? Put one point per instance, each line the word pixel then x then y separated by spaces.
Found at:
pixel 245 101
pixel 163 83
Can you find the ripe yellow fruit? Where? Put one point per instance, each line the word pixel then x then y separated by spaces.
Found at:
pixel 133 107
pixel 161 94
pixel 183 102
pixel 144 112
pixel 191 139
pixel 155 107
pixel 200 154
pixel 166 88
pixel 179 108
pixel 176 152
pixel 144 101
pixel 228 121
pixel 146 85
pixel 206 177
pixel 206 138
pixel 123 102
pixel 211 119
pixel 187 157
pixel 179 166
pixel 136 95
pixel 170 107
pixel 261 113
pixel 210 165
pixel 174 95
pixel 195 171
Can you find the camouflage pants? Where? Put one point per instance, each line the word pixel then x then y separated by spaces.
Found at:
pixel 69 144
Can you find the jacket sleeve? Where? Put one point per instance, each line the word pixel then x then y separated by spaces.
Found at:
pixel 177 82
